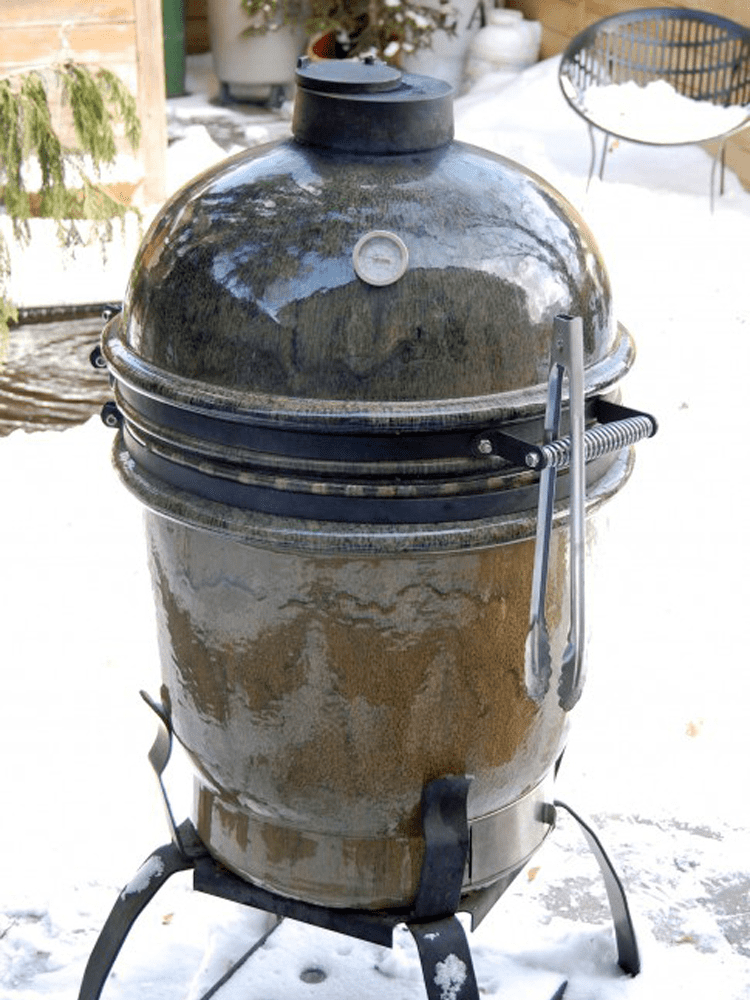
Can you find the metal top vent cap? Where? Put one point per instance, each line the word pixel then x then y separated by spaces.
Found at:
pixel 370 107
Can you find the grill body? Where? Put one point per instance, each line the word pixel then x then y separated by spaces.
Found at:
pixel 342 584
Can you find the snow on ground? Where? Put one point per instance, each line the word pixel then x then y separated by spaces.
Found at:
pixel 659 743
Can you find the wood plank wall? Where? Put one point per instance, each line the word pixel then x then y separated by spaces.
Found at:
pixel 562 20
pixel 124 36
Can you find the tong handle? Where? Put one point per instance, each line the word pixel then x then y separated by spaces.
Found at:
pixel 538 663
pixel 568 341
pixel 566 358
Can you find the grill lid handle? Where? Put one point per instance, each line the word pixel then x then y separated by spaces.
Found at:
pixel 347 76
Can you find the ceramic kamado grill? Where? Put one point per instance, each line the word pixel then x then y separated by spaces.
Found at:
pixel 366 387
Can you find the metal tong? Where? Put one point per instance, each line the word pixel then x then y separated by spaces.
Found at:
pixel 566 358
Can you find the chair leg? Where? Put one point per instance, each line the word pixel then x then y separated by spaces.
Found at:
pixel 592 161
pixel 719 163
pixel 605 147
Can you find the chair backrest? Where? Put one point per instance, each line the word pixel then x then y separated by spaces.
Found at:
pixel 701 55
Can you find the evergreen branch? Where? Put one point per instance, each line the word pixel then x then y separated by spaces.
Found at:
pixel 91 119
pixel 97 101
pixel 119 97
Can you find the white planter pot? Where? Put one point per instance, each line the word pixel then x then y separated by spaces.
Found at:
pixel 446 57
pixel 507 43
pixel 249 66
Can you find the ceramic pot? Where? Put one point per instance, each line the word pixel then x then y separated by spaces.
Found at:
pixel 250 66
pixel 445 58
pixel 507 43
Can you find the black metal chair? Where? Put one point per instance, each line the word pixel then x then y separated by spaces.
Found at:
pixel 702 56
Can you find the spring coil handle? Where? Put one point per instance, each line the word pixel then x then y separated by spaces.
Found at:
pixel 598 441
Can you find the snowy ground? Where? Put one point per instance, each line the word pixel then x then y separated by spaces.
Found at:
pixel 660 740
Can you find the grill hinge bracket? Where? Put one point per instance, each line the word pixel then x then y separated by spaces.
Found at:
pixel 617 427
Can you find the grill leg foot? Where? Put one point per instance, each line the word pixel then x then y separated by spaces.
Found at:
pixel 150 877
pixel 628 956
pixel 446 960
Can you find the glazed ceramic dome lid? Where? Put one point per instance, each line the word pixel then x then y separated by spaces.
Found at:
pixel 318 332
pixel 301 272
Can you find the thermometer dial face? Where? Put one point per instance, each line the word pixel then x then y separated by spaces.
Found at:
pixel 380 257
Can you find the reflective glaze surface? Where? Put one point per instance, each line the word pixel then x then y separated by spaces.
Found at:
pixel 317 695
pixel 247 279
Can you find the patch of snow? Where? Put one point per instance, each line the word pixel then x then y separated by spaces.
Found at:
pixel 450 976
pixel 149 870
pixel 657 113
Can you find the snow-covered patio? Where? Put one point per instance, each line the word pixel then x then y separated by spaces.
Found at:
pixel 659 742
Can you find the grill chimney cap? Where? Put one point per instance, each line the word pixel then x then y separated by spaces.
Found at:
pixel 347 76
pixel 368 107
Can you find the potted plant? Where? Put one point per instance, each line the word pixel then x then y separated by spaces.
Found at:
pixel 57 131
pixel 389 29
pixel 250 67
pixel 446 56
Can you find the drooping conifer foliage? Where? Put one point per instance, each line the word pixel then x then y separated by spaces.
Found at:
pixel 68 187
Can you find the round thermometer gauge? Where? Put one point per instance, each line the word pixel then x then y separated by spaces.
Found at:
pixel 380 257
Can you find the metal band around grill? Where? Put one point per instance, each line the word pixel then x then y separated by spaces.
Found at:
pixel 620 428
pixel 453 461
pixel 321 506
pixel 302 443
pixel 378 504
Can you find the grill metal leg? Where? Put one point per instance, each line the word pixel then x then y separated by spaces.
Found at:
pixel 160 866
pixel 439 936
pixel 441 942
pixel 628 956
pixel 446 960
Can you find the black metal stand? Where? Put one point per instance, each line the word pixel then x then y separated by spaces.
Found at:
pixel 439 935
pixel 628 956
pixel 440 938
